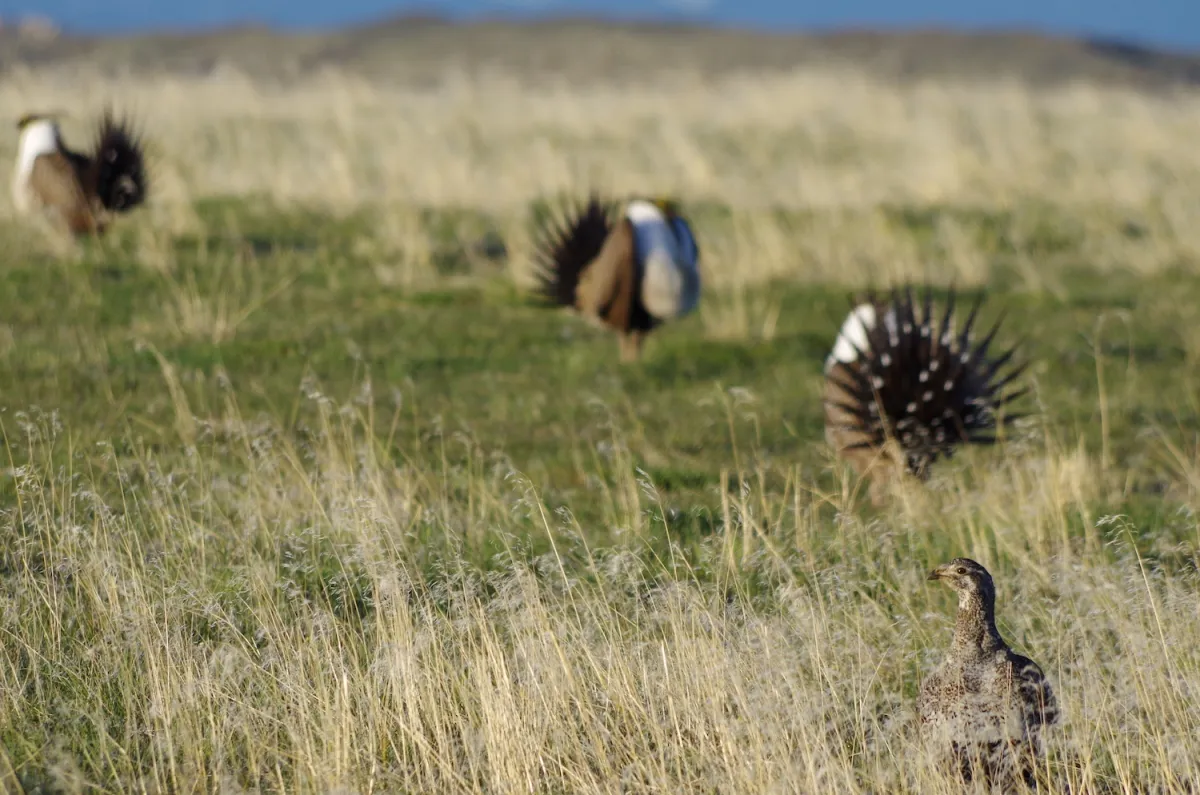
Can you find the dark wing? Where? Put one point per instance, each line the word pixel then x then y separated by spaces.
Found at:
pixel 1039 706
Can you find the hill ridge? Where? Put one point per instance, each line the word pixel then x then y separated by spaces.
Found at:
pixel 420 48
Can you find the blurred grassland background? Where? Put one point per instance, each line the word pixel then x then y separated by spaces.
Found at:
pixel 305 494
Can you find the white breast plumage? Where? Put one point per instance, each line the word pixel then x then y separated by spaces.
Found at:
pixel 852 337
pixel 38 138
pixel 668 251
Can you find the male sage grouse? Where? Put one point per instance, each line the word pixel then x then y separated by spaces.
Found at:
pixel 629 270
pixel 903 392
pixel 81 190
pixel 985 707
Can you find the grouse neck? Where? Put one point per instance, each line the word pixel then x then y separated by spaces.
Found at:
pixel 975 633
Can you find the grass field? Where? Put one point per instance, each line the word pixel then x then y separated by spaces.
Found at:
pixel 305 494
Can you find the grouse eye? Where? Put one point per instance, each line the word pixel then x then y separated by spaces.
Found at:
pixel 961 570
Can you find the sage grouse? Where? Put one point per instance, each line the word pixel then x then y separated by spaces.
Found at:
pixel 901 393
pixel 985 707
pixel 630 271
pixel 82 191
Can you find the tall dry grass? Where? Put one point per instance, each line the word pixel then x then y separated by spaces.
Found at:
pixel 285 616
pixel 810 139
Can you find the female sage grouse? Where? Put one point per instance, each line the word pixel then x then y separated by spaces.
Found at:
pixel 901 393
pixel 630 272
pixel 80 190
pixel 985 707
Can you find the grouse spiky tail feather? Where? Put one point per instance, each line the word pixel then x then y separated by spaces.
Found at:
pixel 914 381
pixel 116 174
pixel 567 243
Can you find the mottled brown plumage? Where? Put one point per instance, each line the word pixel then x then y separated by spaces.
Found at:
pixel 985 707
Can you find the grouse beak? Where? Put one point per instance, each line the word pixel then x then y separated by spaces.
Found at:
pixel 936 574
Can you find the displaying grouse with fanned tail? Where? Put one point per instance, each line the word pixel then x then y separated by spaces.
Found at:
pixel 983 710
pixel 82 191
pixel 901 393
pixel 629 269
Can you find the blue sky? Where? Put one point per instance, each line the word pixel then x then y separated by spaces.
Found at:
pixel 1170 23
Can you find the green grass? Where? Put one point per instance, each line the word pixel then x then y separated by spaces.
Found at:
pixel 481 358
pixel 478 362
pixel 234 480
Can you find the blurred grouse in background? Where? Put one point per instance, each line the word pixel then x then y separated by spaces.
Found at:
pixel 630 271
pixel 82 191
pixel 901 393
